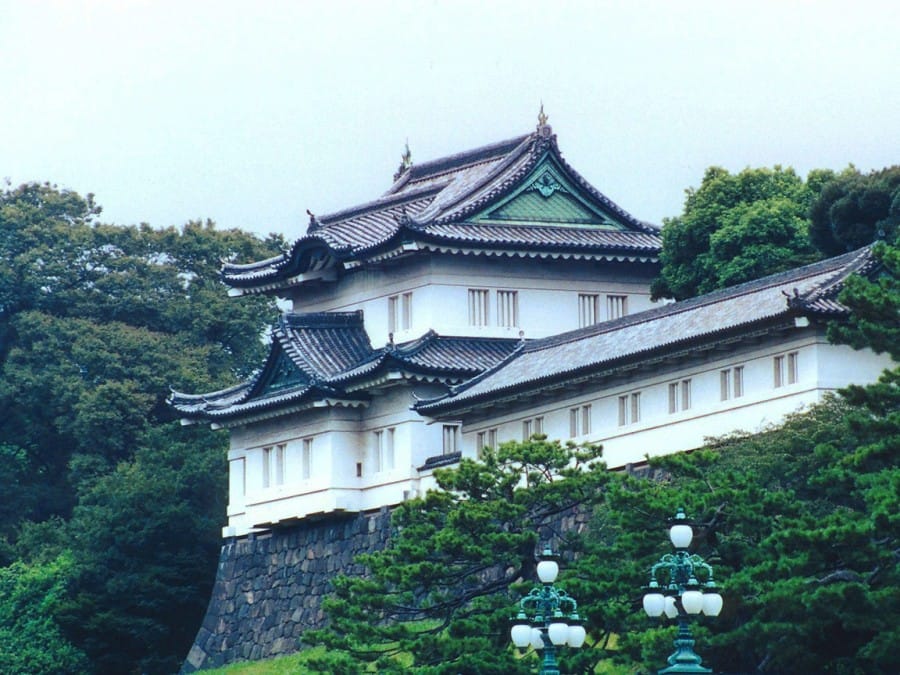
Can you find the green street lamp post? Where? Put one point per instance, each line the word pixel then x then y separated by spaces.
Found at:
pixel 548 617
pixel 676 593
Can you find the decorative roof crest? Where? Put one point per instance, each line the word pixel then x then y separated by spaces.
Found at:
pixel 405 161
pixel 313 221
pixel 542 118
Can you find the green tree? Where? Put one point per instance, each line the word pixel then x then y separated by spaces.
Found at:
pixel 856 209
pixel 30 638
pixel 96 322
pixel 437 600
pixel 736 228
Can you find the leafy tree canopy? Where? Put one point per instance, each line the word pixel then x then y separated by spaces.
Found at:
pixel 96 322
pixel 736 228
pixel 437 600
pixel 856 209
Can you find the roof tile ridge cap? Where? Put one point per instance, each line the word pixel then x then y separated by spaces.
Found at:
pixel 861 261
pixel 384 201
pixel 480 155
pixel 594 192
pixel 531 144
pixel 468 384
pixel 247 267
pixel 654 313
pixel 372 361
pixel 413 347
pixel 399 182
pixel 174 394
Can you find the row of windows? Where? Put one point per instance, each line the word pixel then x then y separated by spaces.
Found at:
pixel 506 309
pixel 275 463
pixel 731 380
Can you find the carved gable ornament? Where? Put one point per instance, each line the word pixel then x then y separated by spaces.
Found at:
pixel 547 185
pixel 548 197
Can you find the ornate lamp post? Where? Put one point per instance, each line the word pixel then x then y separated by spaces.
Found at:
pixel 548 617
pixel 675 592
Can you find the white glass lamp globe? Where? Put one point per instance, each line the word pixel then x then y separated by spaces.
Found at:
pixel 654 604
pixel 537 640
pixel 712 604
pixel 671 609
pixel 520 635
pixel 558 631
pixel 692 601
pixel 577 635
pixel 547 571
pixel 681 535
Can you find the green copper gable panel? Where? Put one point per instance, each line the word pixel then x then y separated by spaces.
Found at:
pixel 284 375
pixel 547 197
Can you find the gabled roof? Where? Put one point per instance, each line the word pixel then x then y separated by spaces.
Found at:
pixel 516 197
pixel 613 346
pixel 327 359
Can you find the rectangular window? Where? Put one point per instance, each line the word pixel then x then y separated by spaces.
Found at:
pixel 588 309
pixel 279 464
pixel 792 370
pixel 306 459
pixel 579 420
pixel 508 308
pixel 630 408
pixel 266 467
pixel 778 371
pixel 451 439
pixel 616 306
pixel 478 307
pixel 486 439
pixel 532 427
pixel 393 302
pixel 384 449
pixel 399 312
pixel 685 394
pixel 406 311
pixel 673 397
pixel 731 383
pixel 273 466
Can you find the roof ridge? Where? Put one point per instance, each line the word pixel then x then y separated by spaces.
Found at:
pixel 689 304
pixel 465 158
pixel 385 201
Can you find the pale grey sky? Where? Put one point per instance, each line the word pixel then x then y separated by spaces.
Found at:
pixel 249 113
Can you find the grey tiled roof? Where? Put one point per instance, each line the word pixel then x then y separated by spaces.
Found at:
pixel 665 329
pixel 329 356
pixel 433 203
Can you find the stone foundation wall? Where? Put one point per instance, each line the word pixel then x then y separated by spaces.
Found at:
pixel 270 588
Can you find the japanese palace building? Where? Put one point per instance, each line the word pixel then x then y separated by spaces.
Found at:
pixel 485 297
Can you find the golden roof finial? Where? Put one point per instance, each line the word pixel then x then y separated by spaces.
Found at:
pixel 542 118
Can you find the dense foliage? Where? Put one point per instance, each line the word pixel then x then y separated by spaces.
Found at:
pixel 856 209
pixel 437 600
pixel 736 228
pixel 800 523
pixel 112 507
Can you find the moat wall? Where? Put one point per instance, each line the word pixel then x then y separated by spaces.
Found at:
pixel 269 589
